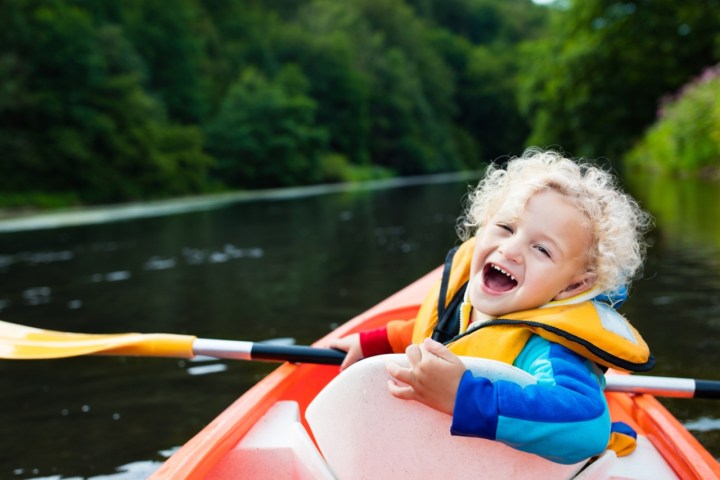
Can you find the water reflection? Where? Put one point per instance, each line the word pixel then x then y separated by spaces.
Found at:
pixel 687 211
pixel 677 304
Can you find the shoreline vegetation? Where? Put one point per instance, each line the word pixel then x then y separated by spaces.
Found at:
pixel 116 102
pixel 684 142
pixel 130 101
pixel 23 220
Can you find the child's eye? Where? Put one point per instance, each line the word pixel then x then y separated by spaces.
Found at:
pixel 543 250
pixel 505 227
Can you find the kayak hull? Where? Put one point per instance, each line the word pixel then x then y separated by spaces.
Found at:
pixel 214 453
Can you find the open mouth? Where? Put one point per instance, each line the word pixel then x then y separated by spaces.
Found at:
pixel 497 279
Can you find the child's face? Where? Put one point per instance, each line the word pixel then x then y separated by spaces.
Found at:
pixel 524 259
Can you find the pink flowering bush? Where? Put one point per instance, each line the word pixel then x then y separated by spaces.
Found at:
pixel 685 139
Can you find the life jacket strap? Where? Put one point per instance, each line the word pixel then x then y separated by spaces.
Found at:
pixel 448 323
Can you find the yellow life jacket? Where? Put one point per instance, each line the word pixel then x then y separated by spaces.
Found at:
pixel 591 329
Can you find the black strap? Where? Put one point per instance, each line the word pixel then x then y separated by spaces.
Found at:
pixel 444 283
pixel 448 325
pixel 448 314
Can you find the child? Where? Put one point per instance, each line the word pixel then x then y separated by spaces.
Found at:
pixel 554 245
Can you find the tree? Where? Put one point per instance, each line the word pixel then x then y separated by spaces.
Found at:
pixel 406 87
pixel 593 85
pixel 111 100
pixel 479 40
pixel 265 133
pixel 171 40
pixel 685 139
pixel 79 120
pixel 340 89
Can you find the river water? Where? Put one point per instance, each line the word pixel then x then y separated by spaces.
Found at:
pixel 267 268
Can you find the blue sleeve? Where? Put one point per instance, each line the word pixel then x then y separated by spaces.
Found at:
pixel 564 417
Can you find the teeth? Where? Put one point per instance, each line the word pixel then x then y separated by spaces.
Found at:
pixel 503 271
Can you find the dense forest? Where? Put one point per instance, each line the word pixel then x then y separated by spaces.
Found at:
pixel 104 101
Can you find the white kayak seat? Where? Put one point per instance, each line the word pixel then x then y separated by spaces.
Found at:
pixel 365 433
pixel 600 468
pixel 645 463
pixel 277 446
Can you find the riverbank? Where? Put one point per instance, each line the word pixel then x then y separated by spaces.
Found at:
pixel 22 220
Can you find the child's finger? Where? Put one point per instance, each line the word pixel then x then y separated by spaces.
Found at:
pixel 438 349
pixel 414 354
pixel 347 361
pixel 398 373
pixel 403 392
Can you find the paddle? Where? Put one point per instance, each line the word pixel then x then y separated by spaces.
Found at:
pixel 19 342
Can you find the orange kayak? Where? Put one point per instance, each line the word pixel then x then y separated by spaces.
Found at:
pixel 265 433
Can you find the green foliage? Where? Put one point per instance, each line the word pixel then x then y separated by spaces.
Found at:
pixel 322 48
pixel 485 22
pixel 29 201
pixel 486 63
pixel 382 88
pixel 593 84
pixel 116 101
pixel 75 117
pixel 336 168
pixel 685 141
pixel 265 134
pixel 489 104
pixel 172 40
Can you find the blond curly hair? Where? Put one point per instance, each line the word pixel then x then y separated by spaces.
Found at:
pixel 617 222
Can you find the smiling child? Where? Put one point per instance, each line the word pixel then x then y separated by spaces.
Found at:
pixel 553 247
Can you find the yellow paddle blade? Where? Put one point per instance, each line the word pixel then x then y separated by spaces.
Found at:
pixel 20 342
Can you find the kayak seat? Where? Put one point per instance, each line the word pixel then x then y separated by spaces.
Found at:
pixel 645 463
pixel 364 432
pixel 599 469
pixel 278 446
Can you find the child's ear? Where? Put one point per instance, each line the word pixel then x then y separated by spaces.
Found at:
pixel 580 284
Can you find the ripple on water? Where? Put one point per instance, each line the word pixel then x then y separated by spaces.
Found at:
pixel 703 424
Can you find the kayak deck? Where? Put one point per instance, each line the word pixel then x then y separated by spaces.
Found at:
pixel 264 434
pixel 278 446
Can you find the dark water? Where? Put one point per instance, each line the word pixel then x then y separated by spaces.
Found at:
pixel 677 303
pixel 257 270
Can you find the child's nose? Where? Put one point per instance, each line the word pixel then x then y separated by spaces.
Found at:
pixel 511 250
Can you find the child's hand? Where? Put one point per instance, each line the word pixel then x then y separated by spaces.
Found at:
pixel 432 377
pixel 351 345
